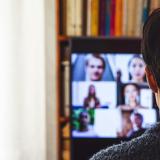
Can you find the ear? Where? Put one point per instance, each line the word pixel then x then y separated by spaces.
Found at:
pixel 151 80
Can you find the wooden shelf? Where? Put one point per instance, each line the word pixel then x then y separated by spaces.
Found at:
pixel 63 38
pixel 63 119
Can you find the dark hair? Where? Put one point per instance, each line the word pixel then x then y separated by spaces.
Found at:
pixel 81 115
pixel 122 101
pixel 139 116
pixel 151 44
pixel 132 84
pixel 129 63
pixel 89 91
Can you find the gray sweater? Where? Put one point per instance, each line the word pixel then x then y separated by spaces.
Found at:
pixel 145 147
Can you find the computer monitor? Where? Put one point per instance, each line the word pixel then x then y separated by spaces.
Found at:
pixel 110 97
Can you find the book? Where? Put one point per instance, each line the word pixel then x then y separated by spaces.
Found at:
pixel 146 9
pixel 94 17
pixel 112 18
pixel 102 17
pixel 88 28
pixel 66 150
pixel 78 17
pixel 108 17
pixel 70 17
pixel 64 17
pixel 84 18
pixel 118 17
pixel 125 17
pixel 138 17
pixel 131 5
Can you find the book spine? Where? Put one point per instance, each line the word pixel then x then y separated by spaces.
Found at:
pixel 73 10
pixel 64 18
pixel 88 28
pixel 118 18
pixel 102 10
pixel 66 148
pixel 138 18
pixel 125 17
pixel 145 11
pixel 78 17
pixel 108 17
pixel 66 85
pixel 94 17
pixel 148 6
pixel 70 17
pixel 131 18
pixel 112 29
pixel 84 18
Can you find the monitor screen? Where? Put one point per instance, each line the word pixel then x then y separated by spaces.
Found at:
pixel 110 97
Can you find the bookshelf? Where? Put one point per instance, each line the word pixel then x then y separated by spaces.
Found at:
pixel 123 30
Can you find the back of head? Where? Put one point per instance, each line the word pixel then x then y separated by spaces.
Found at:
pixel 151 44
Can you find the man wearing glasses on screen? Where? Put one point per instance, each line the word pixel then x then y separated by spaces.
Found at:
pixel 147 146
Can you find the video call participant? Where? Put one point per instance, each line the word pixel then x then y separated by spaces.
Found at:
pixel 127 127
pixel 85 129
pixel 91 101
pixel 94 67
pixel 138 121
pixel 131 94
pixel 84 121
pixel 136 67
pixel 147 146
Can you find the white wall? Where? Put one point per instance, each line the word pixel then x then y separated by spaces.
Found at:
pixel 22 80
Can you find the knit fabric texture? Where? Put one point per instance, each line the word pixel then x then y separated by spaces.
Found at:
pixel 145 147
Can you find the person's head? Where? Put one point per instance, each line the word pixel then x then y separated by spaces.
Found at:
pixel 138 120
pixel 94 66
pixel 126 124
pixel 91 91
pixel 151 51
pixel 84 120
pixel 136 67
pixel 131 93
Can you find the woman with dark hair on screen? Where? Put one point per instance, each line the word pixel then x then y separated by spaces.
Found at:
pixel 131 94
pixel 136 68
pixel 91 101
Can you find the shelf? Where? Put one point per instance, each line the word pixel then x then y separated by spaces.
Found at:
pixel 63 38
pixel 66 138
pixel 66 38
pixel 64 119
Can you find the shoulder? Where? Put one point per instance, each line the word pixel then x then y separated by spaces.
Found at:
pixel 146 145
